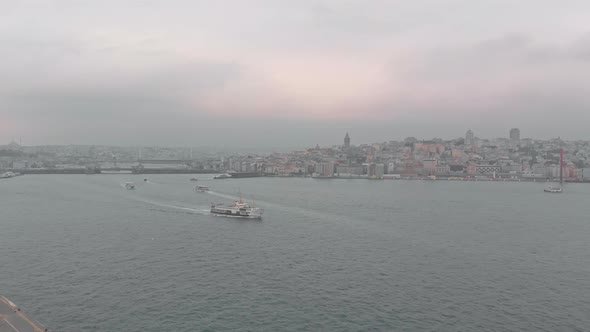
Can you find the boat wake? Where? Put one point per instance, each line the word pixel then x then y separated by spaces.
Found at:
pixel 136 184
pixel 176 207
pixel 283 207
pixel 207 211
pixel 214 193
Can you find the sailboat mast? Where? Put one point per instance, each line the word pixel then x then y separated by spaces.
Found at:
pixel 561 166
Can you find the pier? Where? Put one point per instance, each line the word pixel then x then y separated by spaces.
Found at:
pixel 12 319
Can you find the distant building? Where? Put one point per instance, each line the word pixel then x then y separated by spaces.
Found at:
pixel 487 169
pixel 515 134
pixel 346 141
pixel 375 171
pixel 345 171
pixel 442 170
pixel 409 140
pixel 457 170
pixel 429 147
pixel 21 164
pixel 12 146
pixel 324 169
pixel 379 170
pixel 469 137
pixel 430 164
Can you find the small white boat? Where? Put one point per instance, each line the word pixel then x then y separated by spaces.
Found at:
pixel 130 186
pixel 238 209
pixel 8 175
pixel 222 176
pixel 553 190
pixel 201 189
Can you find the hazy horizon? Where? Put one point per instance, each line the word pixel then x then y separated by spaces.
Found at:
pixel 336 141
pixel 281 74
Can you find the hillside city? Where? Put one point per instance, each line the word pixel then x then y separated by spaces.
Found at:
pixel 468 157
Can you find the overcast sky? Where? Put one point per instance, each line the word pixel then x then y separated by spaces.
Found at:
pixel 278 73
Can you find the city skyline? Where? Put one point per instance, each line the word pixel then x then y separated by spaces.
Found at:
pixel 503 159
pixel 277 72
pixel 470 136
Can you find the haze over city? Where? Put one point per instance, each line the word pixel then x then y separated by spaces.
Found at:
pixel 301 165
pixel 290 74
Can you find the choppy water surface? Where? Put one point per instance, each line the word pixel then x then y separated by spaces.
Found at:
pixel 81 253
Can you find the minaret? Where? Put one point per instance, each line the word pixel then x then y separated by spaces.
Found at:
pixel 346 141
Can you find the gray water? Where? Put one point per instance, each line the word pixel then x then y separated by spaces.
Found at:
pixel 81 253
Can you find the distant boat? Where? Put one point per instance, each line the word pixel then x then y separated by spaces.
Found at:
pixel 194 179
pixel 553 190
pixel 130 186
pixel 223 176
pixel 201 189
pixel 8 175
pixel 557 189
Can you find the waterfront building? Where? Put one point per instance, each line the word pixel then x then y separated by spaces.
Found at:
pixel 20 164
pixel 429 164
pixel 443 170
pixel 487 169
pixel 349 171
pixel 375 171
pixel 324 169
pixel 379 170
pixel 457 170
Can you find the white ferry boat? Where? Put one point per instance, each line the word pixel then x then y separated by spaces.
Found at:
pixel 223 176
pixel 238 209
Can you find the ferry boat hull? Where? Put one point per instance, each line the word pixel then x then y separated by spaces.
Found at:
pixel 227 213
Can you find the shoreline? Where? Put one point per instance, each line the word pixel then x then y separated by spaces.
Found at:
pixel 387 177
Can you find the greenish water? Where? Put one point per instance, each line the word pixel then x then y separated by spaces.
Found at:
pixel 81 253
